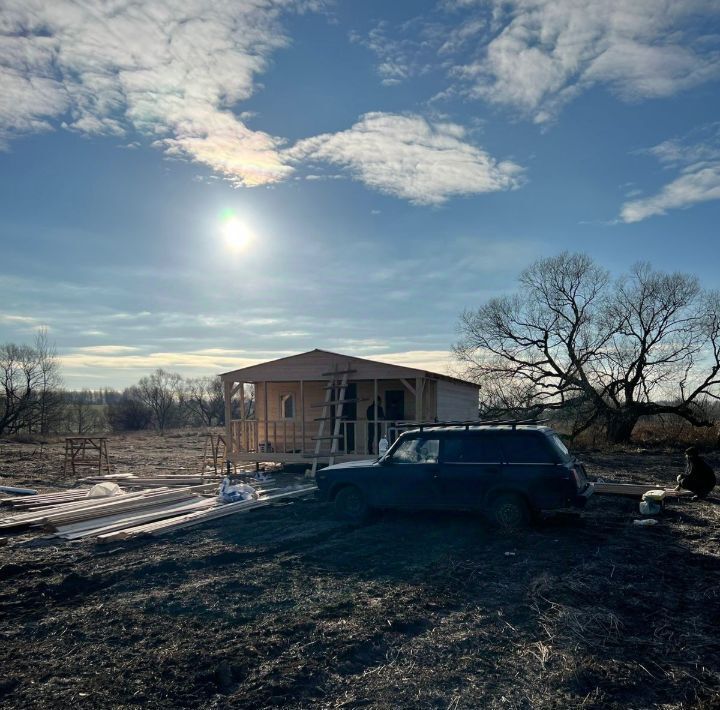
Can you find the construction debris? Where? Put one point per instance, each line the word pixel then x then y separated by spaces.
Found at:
pixel 73 515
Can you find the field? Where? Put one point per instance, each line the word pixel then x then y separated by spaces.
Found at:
pixel 287 607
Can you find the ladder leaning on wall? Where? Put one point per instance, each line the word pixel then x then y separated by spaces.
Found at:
pixel 336 386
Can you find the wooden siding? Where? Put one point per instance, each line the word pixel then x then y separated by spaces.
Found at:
pixel 456 401
pixel 315 394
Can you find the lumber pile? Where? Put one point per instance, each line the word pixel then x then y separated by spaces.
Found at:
pixel 145 512
pixel 87 507
pixel 634 490
pixel 196 518
pixel 45 499
pixel 169 480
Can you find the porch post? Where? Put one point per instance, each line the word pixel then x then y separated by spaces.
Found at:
pixel 265 384
pixel 376 437
pixel 302 415
pixel 243 429
pixel 418 399
pixel 228 418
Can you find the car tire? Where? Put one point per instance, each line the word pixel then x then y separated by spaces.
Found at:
pixel 350 504
pixel 510 512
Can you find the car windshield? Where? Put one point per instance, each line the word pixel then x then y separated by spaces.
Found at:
pixel 556 441
pixel 420 450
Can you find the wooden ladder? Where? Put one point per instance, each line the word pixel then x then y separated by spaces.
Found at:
pixel 334 386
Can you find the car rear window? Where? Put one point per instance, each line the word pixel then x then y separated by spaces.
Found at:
pixel 527 448
pixel 558 445
pixel 472 449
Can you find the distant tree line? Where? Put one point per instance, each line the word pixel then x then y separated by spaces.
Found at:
pixel 34 402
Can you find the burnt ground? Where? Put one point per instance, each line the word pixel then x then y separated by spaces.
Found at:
pixel 286 607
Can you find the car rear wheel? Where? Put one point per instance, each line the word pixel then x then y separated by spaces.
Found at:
pixel 510 512
pixel 350 504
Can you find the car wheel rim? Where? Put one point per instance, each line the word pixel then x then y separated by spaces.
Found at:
pixel 509 515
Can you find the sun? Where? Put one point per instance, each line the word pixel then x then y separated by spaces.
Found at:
pixel 235 232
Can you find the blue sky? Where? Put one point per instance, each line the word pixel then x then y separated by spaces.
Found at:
pixel 382 167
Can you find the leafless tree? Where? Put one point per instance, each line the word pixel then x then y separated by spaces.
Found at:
pixel 30 398
pixel 202 398
pixel 49 396
pixel 645 344
pixel 82 414
pixel 158 391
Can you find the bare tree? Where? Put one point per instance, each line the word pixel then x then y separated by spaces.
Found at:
pixel 30 397
pixel 202 398
pixel 49 396
pixel 646 344
pixel 158 391
pixel 82 414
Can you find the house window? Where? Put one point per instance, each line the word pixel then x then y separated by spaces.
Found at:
pixel 287 406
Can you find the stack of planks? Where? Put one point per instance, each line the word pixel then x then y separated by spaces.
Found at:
pixel 128 515
pixel 42 500
pixel 168 480
pixel 91 507
pixel 196 518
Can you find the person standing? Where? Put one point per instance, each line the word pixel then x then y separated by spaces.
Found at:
pixel 370 413
pixel 698 477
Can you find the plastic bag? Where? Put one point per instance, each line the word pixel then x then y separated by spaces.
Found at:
pixel 649 507
pixel 104 490
pixel 234 492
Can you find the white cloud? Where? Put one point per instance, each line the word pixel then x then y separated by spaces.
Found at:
pixel 698 159
pixel 171 69
pixel 411 158
pixel 545 52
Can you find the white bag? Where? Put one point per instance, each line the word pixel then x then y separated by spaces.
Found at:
pixel 104 490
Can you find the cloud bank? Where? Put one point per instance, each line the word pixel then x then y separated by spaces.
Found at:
pixel 697 158
pixel 170 69
pixel 543 53
pixel 409 157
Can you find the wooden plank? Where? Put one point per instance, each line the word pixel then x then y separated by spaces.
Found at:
pixel 635 490
pixel 203 516
pixel 99 526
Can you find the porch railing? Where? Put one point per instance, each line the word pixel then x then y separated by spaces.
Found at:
pixel 285 436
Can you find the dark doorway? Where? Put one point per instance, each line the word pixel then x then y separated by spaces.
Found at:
pixel 395 405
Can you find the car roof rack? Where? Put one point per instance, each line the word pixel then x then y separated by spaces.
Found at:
pixel 467 423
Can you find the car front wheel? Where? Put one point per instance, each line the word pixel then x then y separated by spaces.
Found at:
pixel 350 505
pixel 510 512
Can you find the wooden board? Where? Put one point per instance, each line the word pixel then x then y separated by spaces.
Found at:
pixel 635 490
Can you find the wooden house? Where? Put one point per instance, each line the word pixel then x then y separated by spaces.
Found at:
pixel 318 406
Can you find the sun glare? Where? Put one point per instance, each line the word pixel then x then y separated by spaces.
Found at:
pixel 235 232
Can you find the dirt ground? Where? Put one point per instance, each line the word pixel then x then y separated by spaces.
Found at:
pixel 286 607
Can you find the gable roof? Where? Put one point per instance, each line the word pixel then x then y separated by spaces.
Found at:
pixel 312 364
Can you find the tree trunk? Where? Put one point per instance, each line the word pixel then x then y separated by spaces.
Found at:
pixel 619 427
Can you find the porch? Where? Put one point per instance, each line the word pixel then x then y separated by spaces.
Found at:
pixel 323 406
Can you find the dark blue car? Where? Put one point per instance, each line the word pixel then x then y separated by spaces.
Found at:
pixel 510 472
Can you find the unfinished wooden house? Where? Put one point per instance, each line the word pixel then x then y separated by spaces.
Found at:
pixel 319 406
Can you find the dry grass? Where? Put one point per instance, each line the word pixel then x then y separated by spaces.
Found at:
pixel 290 608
